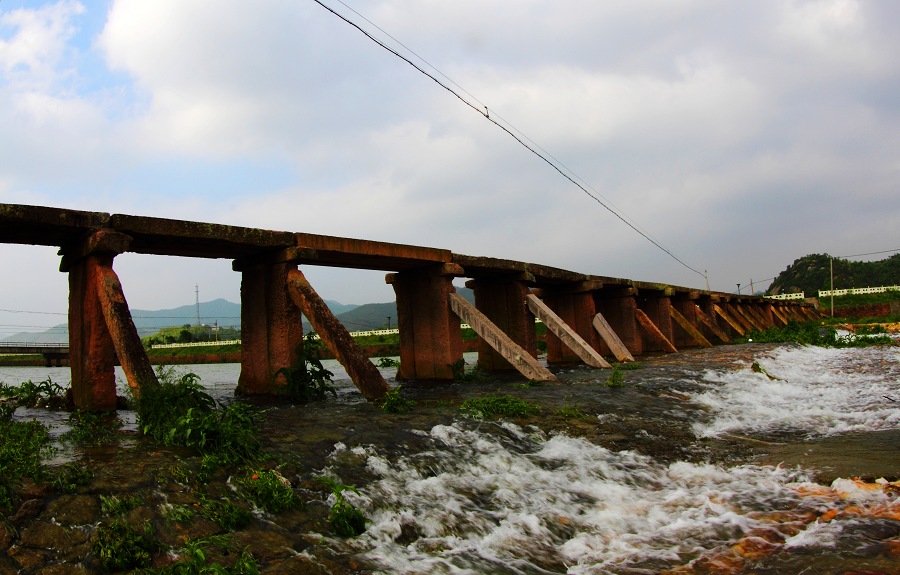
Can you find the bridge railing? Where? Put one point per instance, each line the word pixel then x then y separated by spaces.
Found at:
pixel 33 344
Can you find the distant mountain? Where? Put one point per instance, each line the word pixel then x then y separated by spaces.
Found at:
pixel 812 273
pixel 227 314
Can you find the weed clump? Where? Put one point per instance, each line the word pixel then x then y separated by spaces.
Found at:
pixel 309 381
pixel 180 412
pixel 393 403
pixel 271 491
pixel 500 405
pixel 22 445
pixel 616 378
pixel 817 334
pixel 44 394
pixel 120 546
pixel 346 520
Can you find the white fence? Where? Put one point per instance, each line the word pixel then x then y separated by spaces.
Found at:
pixel 854 291
pixel 800 295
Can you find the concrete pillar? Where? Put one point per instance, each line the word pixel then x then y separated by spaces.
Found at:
pixel 685 304
pixel 430 334
pixel 617 306
pixel 656 305
pixel 92 357
pixel 502 301
pixel 577 310
pixel 100 324
pixel 271 329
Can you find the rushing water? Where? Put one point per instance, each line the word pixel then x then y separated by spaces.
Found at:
pixel 698 464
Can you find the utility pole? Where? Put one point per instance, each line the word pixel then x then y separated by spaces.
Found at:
pixel 832 286
pixel 739 289
pixel 389 322
pixel 197 295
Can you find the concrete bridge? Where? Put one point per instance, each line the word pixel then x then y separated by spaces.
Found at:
pixel 588 316
pixel 54 353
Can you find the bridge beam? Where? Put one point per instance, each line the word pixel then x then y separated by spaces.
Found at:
pixel 430 334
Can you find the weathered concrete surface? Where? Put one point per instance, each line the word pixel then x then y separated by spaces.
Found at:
pixel 125 338
pixel 39 225
pixel 366 254
pixel 565 334
pixel 653 332
pixel 575 309
pixel 512 352
pixel 430 333
pixel 689 328
pixel 92 354
pixel 611 339
pixel 502 300
pixel 271 330
pixel 363 372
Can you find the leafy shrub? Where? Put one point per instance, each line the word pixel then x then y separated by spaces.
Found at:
pixel 120 546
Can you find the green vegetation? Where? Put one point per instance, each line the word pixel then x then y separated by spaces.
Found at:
pixel 92 428
pixel 616 378
pixel 194 559
pixel 309 380
pixel 120 546
pixel 190 334
pixel 570 411
pixel 393 403
pixel 41 394
pixel 180 412
pixel 815 333
pixel 70 477
pixel 271 491
pixel 22 445
pixel 220 511
pixel 498 405
pixel 386 362
pixel 812 273
pixel 346 520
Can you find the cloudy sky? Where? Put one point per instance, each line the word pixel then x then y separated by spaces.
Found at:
pixel 738 135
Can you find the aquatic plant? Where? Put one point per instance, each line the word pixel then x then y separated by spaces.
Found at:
pixel 120 546
pixel 502 405
pixel 180 412
pixel 570 411
pixel 195 560
pixel 270 490
pixel 70 477
pixel 30 394
pixel 346 520
pixel 308 381
pixel 387 362
pixel 393 403
pixel 22 446
pixel 616 378
pixel 224 513
pixel 92 428
pixel 115 505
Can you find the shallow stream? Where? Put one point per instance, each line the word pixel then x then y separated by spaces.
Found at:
pixel 698 463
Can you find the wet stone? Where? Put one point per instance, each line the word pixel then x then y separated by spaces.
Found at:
pixel 29 559
pixel 62 569
pixel 46 535
pixel 266 546
pixel 27 511
pixel 74 510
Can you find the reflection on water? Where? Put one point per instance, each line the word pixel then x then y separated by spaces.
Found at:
pixel 677 470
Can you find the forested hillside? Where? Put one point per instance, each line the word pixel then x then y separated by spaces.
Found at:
pixel 813 273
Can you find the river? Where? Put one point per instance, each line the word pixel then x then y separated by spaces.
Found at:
pixel 698 463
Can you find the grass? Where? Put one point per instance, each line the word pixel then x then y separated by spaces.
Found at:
pixel 309 381
pixel 616 378
pixel 23 444
pixel 498 405
pixel 814 333
pixel 92 429
pixel 270 490
pixel 30 394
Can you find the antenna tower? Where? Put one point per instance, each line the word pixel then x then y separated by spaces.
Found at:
pixel 197 295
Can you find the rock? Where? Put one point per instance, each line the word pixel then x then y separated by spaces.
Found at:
pixel 74 510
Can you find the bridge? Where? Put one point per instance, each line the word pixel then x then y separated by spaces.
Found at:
pixel 588 317
pixel 54 353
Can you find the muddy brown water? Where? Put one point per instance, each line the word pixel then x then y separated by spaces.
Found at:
pixel 604 480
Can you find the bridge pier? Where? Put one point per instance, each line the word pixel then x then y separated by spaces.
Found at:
pixel 618 306
pixel 501 298
pixel 575 305
pixel 100 324
pixel 271 328
pixel 430 333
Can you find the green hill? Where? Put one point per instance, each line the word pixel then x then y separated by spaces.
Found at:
pixel 812 273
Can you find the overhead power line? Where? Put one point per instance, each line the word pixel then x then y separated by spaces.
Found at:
pixel 869 254
pixel 519 137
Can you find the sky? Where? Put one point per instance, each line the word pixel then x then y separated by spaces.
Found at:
pixel 738 136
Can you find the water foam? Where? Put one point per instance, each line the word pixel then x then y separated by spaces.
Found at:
pixel 818 391
pixel 499 500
